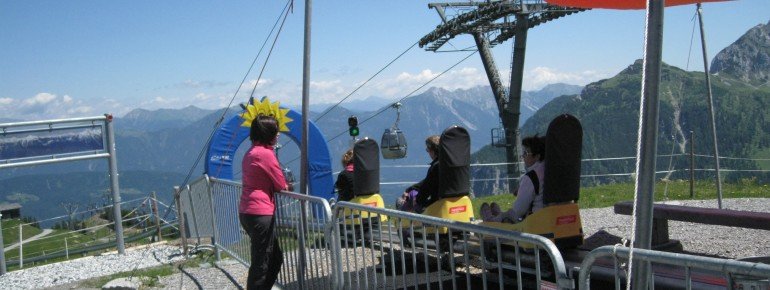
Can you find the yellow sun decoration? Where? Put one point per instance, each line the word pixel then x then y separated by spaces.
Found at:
pixel 264 107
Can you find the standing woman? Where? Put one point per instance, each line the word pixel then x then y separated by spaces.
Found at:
pixel 262 177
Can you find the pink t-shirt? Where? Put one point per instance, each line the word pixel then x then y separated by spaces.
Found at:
pixel 262 177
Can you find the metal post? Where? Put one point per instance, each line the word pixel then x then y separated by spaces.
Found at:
pixel 114 185
pixel 482 43
pixel 648 134
pixel 214 230
pixel 194 216
pixel 157 216
pixel 305 114
pixel 180 218
pixel 66 249
pixel 711 105
pixel 513 108
pixel 21 247
pixel 692 165
pixel 3 270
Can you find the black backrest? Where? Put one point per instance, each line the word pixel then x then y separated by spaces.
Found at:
pixel 366 167
pixel 454 161
pixel 564 142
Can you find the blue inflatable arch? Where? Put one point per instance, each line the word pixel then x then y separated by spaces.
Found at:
pixel 221 151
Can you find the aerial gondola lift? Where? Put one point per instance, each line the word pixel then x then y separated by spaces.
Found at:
pixel 393 143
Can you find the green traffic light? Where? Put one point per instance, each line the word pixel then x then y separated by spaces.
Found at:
pixel 353 131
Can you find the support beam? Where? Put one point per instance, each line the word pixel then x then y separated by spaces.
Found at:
pixel 513 108
pixel 500 99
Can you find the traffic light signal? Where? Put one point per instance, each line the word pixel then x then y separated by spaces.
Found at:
pixel 353 123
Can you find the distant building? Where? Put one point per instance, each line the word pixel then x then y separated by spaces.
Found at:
pixel 10 210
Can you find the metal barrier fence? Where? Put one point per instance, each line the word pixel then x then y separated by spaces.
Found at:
pixel 303 224
pixel 737 274
pixel 361 247
pixel 408 249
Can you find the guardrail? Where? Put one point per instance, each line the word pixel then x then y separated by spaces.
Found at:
pixel 411 249
pixel 384 248
pixel 209 207
pixel 736 273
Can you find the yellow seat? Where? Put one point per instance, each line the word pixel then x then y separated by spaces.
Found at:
pixel 559 223
pixel 457 208
pixel 373 200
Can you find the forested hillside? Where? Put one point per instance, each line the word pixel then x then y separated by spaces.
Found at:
pixel 609 112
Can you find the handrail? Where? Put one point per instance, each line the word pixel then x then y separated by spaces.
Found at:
pixel 683 260
pixel 563 281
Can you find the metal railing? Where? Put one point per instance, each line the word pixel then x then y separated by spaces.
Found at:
pixel 356 246
pixel 411 249
pixel 679 274
pixel 303 224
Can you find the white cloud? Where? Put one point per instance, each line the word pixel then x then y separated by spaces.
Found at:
pixel 79 110
pixel 45 106
pixel 40 99
pixel 539 77
pixel 248 86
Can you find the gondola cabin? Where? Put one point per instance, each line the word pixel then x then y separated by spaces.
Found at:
pixel 393 144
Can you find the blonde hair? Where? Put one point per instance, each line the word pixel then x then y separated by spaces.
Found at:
pixel 347 158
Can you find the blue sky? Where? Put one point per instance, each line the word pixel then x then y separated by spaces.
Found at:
pixel 85 58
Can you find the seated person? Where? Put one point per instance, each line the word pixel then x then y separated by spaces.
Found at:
pixel 530 197
pixel 420 195
pixel 344 184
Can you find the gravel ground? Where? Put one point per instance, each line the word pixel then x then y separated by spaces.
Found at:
pixel 56 274
pixel 719 241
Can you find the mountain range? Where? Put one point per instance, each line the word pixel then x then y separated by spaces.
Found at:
pixel 609 112
pixel 165 143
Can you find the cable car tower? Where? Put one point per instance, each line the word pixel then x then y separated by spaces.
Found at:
pixel 492 23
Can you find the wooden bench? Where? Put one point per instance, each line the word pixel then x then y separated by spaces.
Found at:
pixel 662 213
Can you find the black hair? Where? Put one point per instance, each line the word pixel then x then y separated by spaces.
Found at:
pixel 536 145
pixel 264 129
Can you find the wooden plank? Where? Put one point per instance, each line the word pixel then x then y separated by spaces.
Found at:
pixel 712 216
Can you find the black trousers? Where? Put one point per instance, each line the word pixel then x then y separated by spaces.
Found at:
pixel 266 255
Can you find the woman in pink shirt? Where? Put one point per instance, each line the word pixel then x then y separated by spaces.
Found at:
pixel 262 177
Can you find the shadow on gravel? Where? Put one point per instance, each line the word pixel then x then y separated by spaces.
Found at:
pixel 191 276
pixel 229 277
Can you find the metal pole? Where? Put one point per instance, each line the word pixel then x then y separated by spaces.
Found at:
pixel 157 216
pixel 21 247
pixel 692 165
pixel 214 230
pixel 711 105
pixel 513 108
pixel 482 43
pixel 114 185
pixel 3 270
pixel 66 249
pixel 648 134
pixel 180 218
pixel 305 113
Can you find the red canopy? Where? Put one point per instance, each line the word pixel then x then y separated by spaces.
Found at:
pixel 620 4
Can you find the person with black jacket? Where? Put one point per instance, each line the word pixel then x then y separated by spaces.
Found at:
pixel 427 189
pixel 344 182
